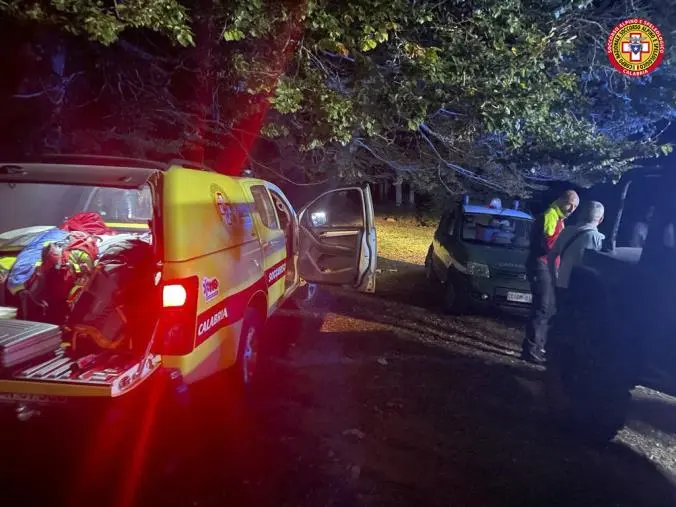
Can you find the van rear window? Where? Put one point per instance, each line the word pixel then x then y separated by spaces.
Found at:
pixel 42 204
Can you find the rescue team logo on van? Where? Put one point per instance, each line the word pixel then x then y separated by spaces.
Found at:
pixel 232 308
pixel 210 288
pixel 225 312
pixel 223 207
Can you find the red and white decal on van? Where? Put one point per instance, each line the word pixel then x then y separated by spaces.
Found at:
pixel 213 322
pixel 225 312
pixel 276 272
pixel 231 309
pixel 210 288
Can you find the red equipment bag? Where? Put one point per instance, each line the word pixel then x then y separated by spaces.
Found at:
pixel 91 223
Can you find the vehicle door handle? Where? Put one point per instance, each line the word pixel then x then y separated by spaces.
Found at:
pixel 337 234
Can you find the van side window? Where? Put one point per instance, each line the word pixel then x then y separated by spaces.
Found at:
pixel 285 221
pixel 342 208
pixel 283 212
pixel 264 206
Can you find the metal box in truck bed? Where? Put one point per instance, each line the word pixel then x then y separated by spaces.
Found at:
pixel 21 341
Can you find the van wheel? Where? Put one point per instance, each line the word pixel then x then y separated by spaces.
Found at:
pixel 249 353
pixel 452 300
pixel 593 407
pixel 584 391
pixel 429 269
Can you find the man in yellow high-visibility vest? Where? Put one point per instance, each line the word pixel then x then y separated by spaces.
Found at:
pixel 544 232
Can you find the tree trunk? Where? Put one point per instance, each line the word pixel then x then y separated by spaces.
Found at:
pixel 610 245
pixel 57 96
pixel 411 197
pixel 399 194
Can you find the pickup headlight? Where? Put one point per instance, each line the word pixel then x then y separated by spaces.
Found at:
pixel 478 269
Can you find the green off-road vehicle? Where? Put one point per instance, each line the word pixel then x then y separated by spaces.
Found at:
pixel 478 254
pixel 618 328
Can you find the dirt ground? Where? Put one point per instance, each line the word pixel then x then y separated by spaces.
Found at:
pixel 382 400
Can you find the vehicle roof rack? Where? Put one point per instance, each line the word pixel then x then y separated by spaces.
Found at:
pixel 189 164
pixel 86 159
pixel 82 159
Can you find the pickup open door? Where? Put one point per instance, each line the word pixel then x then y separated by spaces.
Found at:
pixel 338 239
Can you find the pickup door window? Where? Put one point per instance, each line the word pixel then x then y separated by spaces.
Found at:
pixel 337 239
pixel 264 206
pixel 273 241
pixel 289 226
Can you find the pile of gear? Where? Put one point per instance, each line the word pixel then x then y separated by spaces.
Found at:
pixel 92 283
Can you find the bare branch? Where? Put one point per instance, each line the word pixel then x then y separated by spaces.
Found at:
pixel 335 55
pixel 29 95
pixel 461 170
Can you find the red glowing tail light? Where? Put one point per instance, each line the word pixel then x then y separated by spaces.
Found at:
pixel 176 333
pixel 174 295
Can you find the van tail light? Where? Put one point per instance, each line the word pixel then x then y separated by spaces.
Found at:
pixel 174 295
pixel 176 332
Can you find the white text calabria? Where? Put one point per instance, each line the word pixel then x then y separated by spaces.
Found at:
pixel 215 319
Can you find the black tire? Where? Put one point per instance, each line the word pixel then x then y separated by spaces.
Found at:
pixel 586 392
pixel 282 330
pixel 454 301
pixel 429 268
pixel 249 353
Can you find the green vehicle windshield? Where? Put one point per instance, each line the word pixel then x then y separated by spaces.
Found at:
pixel 496 230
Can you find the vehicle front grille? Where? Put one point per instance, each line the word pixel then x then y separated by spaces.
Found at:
pixel 505 274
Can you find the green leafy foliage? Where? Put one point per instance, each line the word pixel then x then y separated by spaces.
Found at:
pixel 105 24
pixel 496 93
pixel 511 90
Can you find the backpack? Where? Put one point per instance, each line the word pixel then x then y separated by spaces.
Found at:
pixel 113 309
pixel 65 267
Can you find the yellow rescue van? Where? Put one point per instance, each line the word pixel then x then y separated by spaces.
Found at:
pixel 115 271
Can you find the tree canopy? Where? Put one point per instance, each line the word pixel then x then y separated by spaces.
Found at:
pixel 501 94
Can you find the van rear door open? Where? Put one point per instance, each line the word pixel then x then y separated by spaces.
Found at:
pixel 58 189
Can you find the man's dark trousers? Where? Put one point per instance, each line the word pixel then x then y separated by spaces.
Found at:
pixel 543 309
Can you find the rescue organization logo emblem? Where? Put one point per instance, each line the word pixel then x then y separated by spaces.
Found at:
pixel 635 47
pixel 223 207
pixel 210 288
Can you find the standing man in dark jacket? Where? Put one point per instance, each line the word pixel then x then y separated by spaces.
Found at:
pixel 546 229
